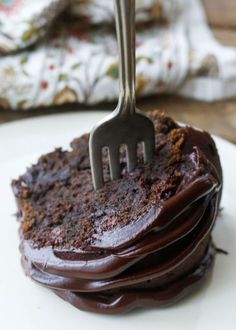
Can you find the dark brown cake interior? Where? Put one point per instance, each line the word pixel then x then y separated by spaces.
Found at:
pixel 61 209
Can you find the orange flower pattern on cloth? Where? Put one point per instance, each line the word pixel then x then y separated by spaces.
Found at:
pixel 65 52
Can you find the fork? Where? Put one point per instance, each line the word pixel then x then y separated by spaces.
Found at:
pixel 125 125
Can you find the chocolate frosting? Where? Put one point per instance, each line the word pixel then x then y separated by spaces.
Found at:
pixel 110 256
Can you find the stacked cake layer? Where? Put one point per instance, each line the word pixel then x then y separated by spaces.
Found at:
pixel 142 240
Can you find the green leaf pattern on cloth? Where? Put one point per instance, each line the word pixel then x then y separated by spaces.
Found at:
pixel 113 71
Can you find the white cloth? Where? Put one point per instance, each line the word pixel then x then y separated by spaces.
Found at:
pixel 49 59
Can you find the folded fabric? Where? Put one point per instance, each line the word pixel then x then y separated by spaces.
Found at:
pixel 24 22
pixel 33 19
pixel 65 52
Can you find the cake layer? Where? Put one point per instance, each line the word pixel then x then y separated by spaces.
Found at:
pixel 142 240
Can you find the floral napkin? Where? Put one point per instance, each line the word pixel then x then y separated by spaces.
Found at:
pixel 55 52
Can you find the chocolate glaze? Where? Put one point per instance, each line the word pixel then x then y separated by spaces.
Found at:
pixel 152 260
pixel 126 300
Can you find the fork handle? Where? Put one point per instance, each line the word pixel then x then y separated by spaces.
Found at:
pixel 125 28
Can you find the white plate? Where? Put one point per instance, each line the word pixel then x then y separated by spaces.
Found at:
pixel 25 305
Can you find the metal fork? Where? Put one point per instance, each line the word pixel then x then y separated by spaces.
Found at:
pixel 125 125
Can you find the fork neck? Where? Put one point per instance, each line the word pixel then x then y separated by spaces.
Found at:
pixel 125 28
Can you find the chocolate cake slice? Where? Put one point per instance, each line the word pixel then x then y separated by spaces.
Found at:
pixel 143 240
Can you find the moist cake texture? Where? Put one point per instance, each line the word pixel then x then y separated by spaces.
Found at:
pixel 143 240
